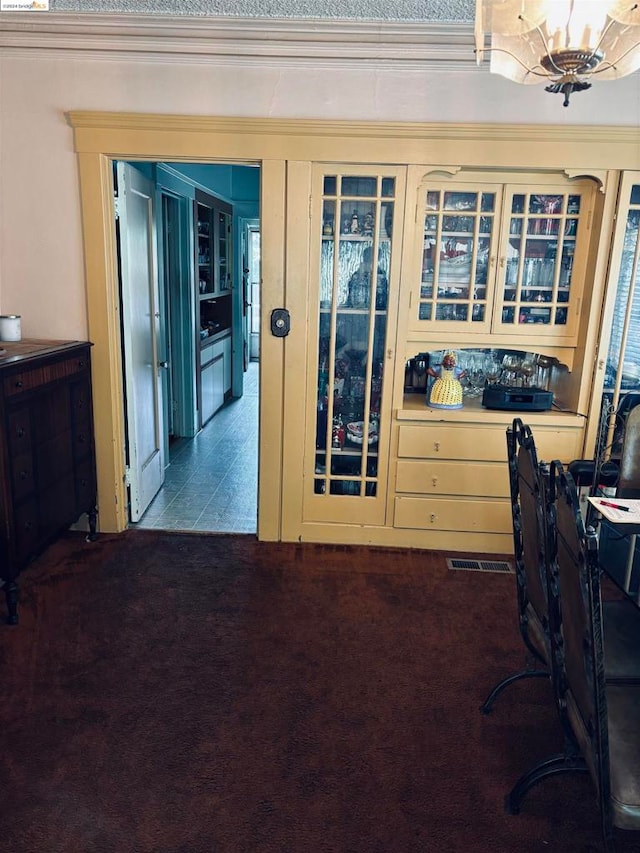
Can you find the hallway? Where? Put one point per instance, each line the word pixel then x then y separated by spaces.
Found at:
pixel 211 482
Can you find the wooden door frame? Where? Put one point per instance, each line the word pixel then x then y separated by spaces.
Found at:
pixel 95 160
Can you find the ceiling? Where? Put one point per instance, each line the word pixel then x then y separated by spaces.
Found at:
pixel 373 10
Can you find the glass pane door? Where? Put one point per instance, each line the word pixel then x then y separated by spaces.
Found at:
pixel 537 272
pixel 460 227
pixel 354 232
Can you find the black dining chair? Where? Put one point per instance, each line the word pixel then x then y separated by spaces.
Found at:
pixel 533 539
pixel 601 719
pixel 527 493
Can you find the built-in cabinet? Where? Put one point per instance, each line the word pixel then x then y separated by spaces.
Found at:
pixel 214 301
pixel 215 375
pixel 404 262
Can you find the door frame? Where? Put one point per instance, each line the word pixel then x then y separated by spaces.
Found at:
pixel 96 153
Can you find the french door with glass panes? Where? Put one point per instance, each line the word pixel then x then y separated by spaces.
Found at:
pixel 356 235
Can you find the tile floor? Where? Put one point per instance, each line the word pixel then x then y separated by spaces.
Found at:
pixel 211 482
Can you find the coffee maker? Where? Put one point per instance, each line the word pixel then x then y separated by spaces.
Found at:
pixel 415 374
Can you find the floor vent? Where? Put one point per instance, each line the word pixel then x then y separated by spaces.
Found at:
pixel 480 565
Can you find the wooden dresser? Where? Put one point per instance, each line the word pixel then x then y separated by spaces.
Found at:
pixel 48 457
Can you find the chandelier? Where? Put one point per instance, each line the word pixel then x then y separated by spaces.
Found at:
pixel 563 42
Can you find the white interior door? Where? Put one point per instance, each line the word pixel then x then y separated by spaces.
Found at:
pixel 140 332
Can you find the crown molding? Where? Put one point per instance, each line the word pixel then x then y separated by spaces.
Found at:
pixel 405 45
pixel 577 135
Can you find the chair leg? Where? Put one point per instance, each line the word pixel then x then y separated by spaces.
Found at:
pixel 553 766
pixel 487 705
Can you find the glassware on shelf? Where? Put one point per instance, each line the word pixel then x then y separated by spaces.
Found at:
pixel 492 369
pixel 527 369
pixel 458 229
pixel 354 268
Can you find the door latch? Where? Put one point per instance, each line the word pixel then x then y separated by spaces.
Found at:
pixel 280 322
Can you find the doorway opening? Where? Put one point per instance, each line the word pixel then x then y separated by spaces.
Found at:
pixel 207 269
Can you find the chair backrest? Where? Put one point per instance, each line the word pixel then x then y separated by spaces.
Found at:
pixel 576 618
pixel 628 485
pixel 529 520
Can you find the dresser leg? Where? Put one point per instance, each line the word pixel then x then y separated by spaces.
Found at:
pixel 92 515
pixel 11 592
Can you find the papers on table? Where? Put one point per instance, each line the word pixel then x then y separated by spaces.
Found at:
pixel 610 509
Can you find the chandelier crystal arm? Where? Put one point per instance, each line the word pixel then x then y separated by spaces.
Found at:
pixel 541 73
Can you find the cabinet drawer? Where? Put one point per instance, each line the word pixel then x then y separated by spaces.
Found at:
pixel 85 486
pixel 19 431
pixel 54 459
pixel 211 352
pixel 82 441
pixel 435 477
pixel 27 380
pixel 81 400
pixel 57 505
pixel 22 475
pixel 449 441
pixel 478 516
pixel 26 531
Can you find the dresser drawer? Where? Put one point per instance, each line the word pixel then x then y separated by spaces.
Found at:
pixel 26 531
pixel 436 477
pixel 457 515
pixel 450 441
pixel 85 484
pixel 19 436
pixel 54 459
pixel 23 480
pixel 82 439
pixel 36 377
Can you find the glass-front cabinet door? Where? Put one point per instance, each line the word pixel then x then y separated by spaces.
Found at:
pixel 459 244
pixel 355 267
pixel 541 270
pixel 223 273
pixel 502 259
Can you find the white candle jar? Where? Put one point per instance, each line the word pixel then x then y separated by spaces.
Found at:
pixel 10 327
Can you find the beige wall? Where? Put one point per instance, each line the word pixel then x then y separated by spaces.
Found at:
pixel 41 275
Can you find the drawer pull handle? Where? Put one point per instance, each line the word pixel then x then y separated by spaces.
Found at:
pixel 433 517
pixel 435 481
pixel 436 446
pixel 28 525
pixel 24 475
pixel 19 383
pixel 81 364
pixel 81 439
pixel 20 432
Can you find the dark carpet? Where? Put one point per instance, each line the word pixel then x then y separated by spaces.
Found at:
pixel 182 693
